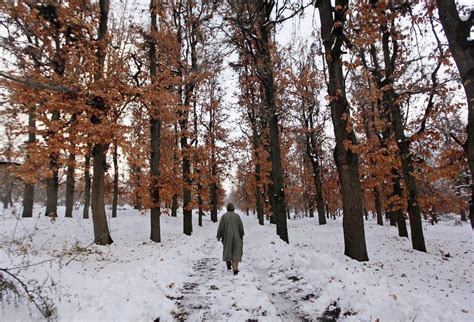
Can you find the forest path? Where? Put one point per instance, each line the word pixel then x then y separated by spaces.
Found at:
pixel 211 292
pixel 197 292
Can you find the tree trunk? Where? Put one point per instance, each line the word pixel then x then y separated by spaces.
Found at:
pixel 258 186
pixel 266 76
pixel 346 160
pixel 99 151
pixel 271 200
pixel 174 206
pixel 116 181
pixel 214 200
pixel 28 200
pixel 87 183
pixel 29 192
pixel 312 153
pixel 52 183
pixel 457 32
pixel 319 190
pixel 414 212
pixel 155 134
pixel 155 129
pixel 463 215
pixel 70 183
pixel 397 215
pixel 200 202
pixel 99 218
pixel 187 210
pixel 378 206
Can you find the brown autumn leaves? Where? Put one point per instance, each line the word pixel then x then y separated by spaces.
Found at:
pixel 73 92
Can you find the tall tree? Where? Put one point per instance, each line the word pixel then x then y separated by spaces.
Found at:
pixel 99 149
pixel 332 33
pixel 458 32
pixel 155 133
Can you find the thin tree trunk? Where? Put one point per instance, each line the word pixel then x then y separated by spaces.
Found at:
pixel 70 183
pixel 155 129
pixel 346 160
pixel 71 168
pixel 258 187
pixel 52 183
pixel 187 210
pixel 116 181
pixel 214 200
pixel 397 215
pixel 312 153
pixel 155 134
pixel 174 206
pixel 317 185
pixel 414 213
pixel 87 183
pixel 29 192
pixel 378 206
pixel 200 203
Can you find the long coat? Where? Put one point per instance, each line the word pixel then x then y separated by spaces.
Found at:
pixel 231 231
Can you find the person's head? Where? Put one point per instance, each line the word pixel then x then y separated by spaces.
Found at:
pixel 230 206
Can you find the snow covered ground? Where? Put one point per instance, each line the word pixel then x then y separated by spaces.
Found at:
pixel 183 278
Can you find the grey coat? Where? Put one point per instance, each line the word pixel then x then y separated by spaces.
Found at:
pixel 231 231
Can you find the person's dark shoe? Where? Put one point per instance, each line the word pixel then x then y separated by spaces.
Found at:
pixel 229 265
pixel 236 272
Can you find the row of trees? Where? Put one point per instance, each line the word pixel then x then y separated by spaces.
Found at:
pixel 395 112
pixel 93 86
pixel 90 89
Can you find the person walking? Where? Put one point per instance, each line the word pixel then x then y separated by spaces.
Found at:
pixel 231 232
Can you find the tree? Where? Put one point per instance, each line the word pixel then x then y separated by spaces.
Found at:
pixel 99 149
pixel 253 26
pixel 155 131
pixel 458 32
pixel 332 33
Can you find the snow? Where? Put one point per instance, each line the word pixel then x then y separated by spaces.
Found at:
pixel 184 278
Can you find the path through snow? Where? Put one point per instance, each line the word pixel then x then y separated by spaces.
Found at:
pixel 184 277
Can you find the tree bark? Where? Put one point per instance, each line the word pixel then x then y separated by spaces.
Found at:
pixel 265 68
pixel 116 181
pixel 457 32
pixel 214 200
pixel 346 160
pixel 87 183
pixel 155 134
pixel 70 183
pixel 29 192
pixel 378 206
pixel 99 151
pixel 52 183
pixel 414 212
pixel 314 160
pixel 99 218
pixel 174 206
pixel 187 210
pixel 258 185
pixel 396 211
